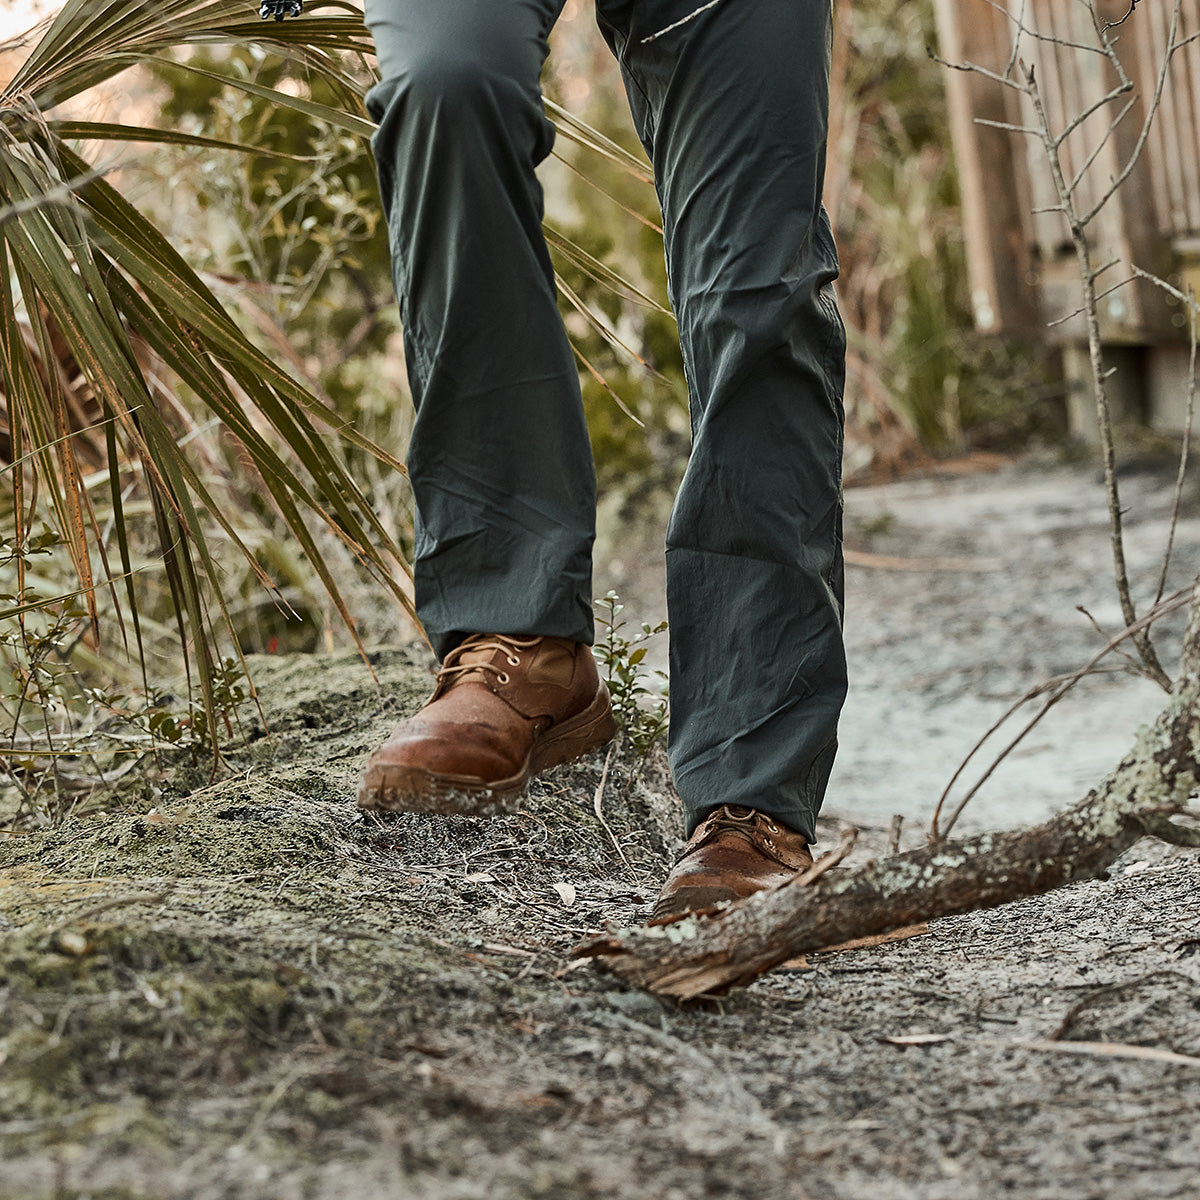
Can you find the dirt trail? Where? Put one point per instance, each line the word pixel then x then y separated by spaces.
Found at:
pixel 253 991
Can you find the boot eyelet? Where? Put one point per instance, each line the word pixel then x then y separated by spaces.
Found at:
pixel 772 827
pixel 768 842
pixel 504 677
pixel 513 660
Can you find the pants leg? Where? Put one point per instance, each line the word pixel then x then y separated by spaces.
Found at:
pixel 731 102
pixel 500 463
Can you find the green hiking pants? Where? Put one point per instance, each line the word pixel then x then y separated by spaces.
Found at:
pixel 730 99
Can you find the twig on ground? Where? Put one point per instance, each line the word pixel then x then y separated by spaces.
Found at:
pixel 598 798
pixel 1100 1050
pixel 892 562
pixel 1107 992
pixel 827 861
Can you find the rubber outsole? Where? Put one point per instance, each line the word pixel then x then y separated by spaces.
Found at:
pixel 388 787
pixel 691 902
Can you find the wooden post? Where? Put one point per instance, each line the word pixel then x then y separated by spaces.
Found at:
pixel 990 168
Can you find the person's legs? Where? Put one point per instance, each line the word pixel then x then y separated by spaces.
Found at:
pixel 500 463
pixel 731 102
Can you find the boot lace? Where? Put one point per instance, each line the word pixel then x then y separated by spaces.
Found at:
pixel 737 819
pixel 454 669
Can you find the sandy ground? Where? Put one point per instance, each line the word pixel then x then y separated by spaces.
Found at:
pixel 246 989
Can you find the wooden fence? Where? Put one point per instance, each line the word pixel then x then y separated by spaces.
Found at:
pixel 1022 267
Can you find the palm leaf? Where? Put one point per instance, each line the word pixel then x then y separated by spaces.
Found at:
pixel 81 266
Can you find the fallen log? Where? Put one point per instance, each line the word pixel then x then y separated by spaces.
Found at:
pixel 708 955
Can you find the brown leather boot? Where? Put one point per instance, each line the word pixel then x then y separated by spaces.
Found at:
pixel 504 709
pixel 735 852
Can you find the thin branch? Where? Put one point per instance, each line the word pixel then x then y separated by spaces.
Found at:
pixel 974 69
pixel 1060 685
pixel 1113 24
pixel 1116 287
pixel 1134 665
pixel 1189 299
pixel 827 862
pixel 598 803
pixel 1095 154
pixel 1136 153
pixel 1015 56
pixel 1082 118
pixel 1008 127
pixel 1022 29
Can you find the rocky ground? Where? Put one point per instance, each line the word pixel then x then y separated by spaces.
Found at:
pixel 244 988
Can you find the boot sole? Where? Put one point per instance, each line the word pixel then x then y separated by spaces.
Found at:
pixel 389 788
pixel 692 902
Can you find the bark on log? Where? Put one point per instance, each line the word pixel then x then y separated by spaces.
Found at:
pixel 701 956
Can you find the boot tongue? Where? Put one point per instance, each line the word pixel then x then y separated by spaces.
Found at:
pixel 477 655
pixel 468 655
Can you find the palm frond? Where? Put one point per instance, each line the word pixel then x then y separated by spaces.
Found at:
pixel 85 274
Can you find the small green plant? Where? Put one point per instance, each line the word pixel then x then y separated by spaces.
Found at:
pixel 66 740
pixel 639 696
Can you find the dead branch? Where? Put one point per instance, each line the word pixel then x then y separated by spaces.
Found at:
pixel 700 956
pixel 1113 24
pixel 1054 690
pixel 1188 299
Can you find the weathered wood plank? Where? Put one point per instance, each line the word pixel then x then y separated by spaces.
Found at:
pixel 996 217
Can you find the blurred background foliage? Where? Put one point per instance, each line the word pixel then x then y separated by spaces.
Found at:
pixel 291 241
pixel 921 380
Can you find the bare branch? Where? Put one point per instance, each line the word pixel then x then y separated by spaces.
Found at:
pixel 1088 276
pixel 1189 300
pixel 1136 153
pixel 1113 24
pixel 1100 145
pixel 1058 689
pixel 1015 55
pixel 1081 118
pixel 1116 287
pixel 974 69
pixel 1023 30
pixel 1008 127
pixel 1133 664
